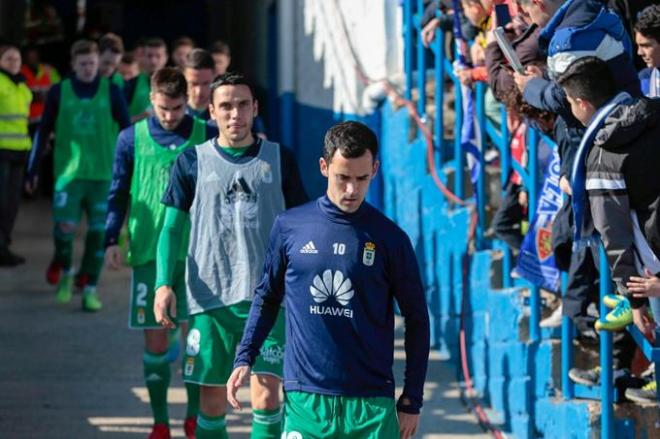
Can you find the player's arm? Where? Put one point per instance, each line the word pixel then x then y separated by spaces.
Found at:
pixel 263 312
pixel 292 187
pixel 178 199
pixel 409 294
pixel 42 137
pixel 119 107
pixel 119 196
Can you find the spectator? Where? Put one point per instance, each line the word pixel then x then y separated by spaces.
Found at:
pixel 647 37
pixel 619 183
pixel 111 50
pixel 15 97
pixel 221 54
pixel 181 47
pixel 629 11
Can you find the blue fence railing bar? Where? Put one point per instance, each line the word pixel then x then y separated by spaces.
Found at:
pixel 498 136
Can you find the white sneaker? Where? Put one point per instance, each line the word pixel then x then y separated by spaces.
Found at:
pixel 553 320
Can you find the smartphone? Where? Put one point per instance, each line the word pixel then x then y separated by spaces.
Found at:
pixel 502 14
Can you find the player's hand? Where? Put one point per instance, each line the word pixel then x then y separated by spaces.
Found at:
pixel 165 306
pixel 648 286
pixel 31 185
pixel 565 185
pixel 238 377
pixel 114 257
pixel 407 425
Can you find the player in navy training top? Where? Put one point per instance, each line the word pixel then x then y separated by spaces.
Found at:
pixel 337 264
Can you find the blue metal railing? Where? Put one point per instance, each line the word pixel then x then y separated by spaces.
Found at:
pixel 499 136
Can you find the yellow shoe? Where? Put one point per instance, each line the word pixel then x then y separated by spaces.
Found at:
pixel 64 289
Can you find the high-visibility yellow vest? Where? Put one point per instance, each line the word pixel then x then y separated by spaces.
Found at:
pixel 14 112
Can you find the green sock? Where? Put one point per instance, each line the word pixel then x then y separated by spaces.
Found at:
pixel 63 235
pixel 192 390
pixel 92 261
pixel 266 424
pixel 157 378
pixel 211 427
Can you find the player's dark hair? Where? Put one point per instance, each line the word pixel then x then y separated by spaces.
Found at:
pixel 155 43
pixel 128 58
pixel 83 47
pixel 220 47
pixel 590 79
pixel 170 82
pixel 111 42
pixel 352 139
pixel 231 78
pixel 182 41
pixel 199 59
pixel 648 22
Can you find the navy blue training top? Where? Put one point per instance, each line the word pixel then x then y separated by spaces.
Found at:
pixel 122 168
pixel 180 192
pixel 83 90
pixel 338 275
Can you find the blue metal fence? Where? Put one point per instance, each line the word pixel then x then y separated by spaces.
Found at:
pixel 416 77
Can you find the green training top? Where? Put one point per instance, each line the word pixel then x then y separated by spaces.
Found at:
pixel 151 173
pixel 140 101
pixel 85 135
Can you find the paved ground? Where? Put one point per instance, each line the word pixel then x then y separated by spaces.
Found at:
pixel 68 374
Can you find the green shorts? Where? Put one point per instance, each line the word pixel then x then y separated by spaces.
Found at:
pixel 316 416
pixel 213 338
pixel 72 198
pixel 141 308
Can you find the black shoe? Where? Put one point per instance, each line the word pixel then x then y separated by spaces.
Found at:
pixel 9 259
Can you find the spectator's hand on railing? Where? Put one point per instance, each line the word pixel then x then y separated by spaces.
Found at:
pixel 523 199
pixel 565 185
pixel 647 286
pixel 465 76
pixel 644 323
pixel 428 33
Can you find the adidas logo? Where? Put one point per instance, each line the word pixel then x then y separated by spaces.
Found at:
pixel 309 248
pixel 212 177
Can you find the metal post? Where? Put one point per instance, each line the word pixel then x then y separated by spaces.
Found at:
pixel 606 397
pixel 439 51
pixel 480 190
pixel 535 293
pixel 505 167
pixel 408 46
pixel 458 148
pixel 421 61
pixel 567 335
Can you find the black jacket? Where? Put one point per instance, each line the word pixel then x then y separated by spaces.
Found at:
pixel 623 175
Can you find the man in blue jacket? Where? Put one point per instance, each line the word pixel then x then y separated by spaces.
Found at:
pixel 337 264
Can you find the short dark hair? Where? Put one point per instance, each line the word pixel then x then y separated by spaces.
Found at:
pixel 111 42
pixel 155 43
pixel 589 78
pixel 170 82
pixel 221 47
pixel 199 59
pixel 83 47
pixel 648 22
pixel 128 58
pixel 351 138
pixel 231 78
pixel 182 41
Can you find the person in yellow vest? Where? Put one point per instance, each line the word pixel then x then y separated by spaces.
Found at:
pixel 15 97
pixel 84 111
pixel 40 77
pixel 137 90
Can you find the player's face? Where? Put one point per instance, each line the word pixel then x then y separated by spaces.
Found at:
pixel 348 179
pixel 199 92
pixel 234 108
pixel 169 111
pixel 128 71
pixel 86 66
pixel 155 58
pixel 11 61
pixel 108 62
pixel 649 49
pixel 179 55
pixel 221 63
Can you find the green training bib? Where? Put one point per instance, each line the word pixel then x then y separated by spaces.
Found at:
pixel 151 174
pixel 140 101
pixel 85 135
